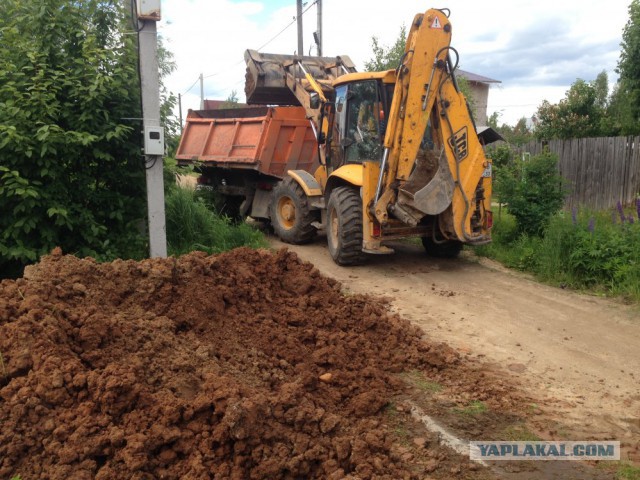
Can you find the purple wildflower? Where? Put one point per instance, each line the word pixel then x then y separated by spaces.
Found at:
pixel 620 211
pixel 574 215
pixel 592 224
pixel 630 219
pixel 638 207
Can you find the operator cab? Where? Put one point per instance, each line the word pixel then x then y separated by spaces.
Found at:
pixel 362 104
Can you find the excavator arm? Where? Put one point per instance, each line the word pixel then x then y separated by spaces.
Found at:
pixel 426 95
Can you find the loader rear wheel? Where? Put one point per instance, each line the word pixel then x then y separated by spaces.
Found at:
pixel 291 215
pixel 344 226
pixel 448 249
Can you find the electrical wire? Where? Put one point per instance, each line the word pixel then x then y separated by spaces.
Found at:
pixel 134 21
pixel 295 19
pixel 193 85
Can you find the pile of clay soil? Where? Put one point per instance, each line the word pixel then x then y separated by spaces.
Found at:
pixel 245 365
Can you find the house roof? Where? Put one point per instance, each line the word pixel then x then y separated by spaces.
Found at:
pixel 488 135
pixel 474 77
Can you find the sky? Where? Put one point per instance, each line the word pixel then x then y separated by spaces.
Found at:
pixel 537 49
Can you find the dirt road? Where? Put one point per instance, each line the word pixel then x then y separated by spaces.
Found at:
pixel 579 354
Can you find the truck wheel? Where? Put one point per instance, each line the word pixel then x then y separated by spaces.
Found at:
pixel 448 249
pixel 344 226
pixel 291 216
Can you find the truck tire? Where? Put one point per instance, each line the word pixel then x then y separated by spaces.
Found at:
pixel 344 226
pixel 448 249
pixel 291 215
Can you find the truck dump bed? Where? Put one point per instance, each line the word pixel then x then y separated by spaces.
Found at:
pixel 271 140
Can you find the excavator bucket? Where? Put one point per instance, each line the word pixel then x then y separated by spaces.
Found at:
pixel 265 81
pixel 430 186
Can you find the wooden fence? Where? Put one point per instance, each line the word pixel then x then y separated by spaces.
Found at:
pixel 599 171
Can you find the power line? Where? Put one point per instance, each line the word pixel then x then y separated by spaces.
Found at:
pixel 292 22
pixel 259 48
pixel 194 84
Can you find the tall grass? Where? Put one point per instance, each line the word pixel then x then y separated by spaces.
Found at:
pixel 193 225
pixel 583 250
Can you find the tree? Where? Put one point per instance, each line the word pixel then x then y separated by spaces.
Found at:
pixel 626 101
pixel 390 57
pixel 516 135
pixel 232 100
pixel 620 112
pixel 168 101
pixel 601 87
pixel 575 116
pixel 387 57
pixel 71 173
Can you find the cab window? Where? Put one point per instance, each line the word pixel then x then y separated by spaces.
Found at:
pixel 362 135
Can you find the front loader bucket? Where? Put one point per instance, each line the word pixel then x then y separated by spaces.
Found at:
pixel 265 81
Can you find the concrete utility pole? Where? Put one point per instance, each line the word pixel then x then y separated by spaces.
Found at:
pixel 319 30
pixel 299 19
pixel 153 132
pixel 201 92
pixel 180 111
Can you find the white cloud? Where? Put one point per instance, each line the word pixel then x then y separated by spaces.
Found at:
pixel 537 48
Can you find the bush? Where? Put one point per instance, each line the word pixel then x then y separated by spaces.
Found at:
pixel 579 249
pixel 71 173
pixel 533 191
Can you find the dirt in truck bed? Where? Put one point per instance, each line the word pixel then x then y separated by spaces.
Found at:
pixel 249 364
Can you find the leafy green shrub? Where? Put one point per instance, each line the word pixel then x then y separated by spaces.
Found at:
pixel 71 174
pixel 192 225
pixel 533 191
pixel 501 155
pixel 579 249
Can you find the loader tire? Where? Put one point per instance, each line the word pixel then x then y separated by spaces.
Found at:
pixel 291 214
pixel 448 249
pixel 344 226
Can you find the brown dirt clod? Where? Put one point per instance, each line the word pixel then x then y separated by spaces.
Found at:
pixel 200 367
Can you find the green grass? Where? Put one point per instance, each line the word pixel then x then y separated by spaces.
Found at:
pixel 626 471
pixel 398 427
pixel 519 433
pixel 593 254
pixel 415 241
pixel 620 470
pixel 474 407
pixel 193 225
pixel 418 380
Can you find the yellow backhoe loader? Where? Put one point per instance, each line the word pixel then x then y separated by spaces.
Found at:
pixel 396 153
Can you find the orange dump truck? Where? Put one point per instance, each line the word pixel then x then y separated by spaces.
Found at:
pixel 242 153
